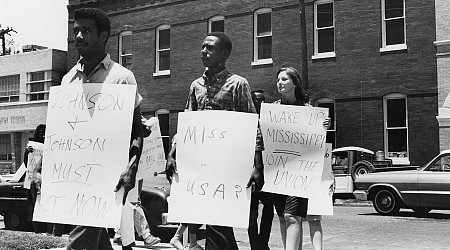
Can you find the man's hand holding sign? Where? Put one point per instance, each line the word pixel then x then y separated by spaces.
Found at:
pixel 213 159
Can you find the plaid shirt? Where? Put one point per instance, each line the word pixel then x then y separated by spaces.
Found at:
pixel 223 91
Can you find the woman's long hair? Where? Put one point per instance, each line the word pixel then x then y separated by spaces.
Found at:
pixel 300 93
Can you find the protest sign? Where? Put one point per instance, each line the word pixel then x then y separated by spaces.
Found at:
pixel 153 160
pixel 34 158
pixel 86 149
pixel 294 141
pixel 321 200
pixel 19 173
pixel 215 155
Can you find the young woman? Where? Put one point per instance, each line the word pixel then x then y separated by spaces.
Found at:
pixel 291 209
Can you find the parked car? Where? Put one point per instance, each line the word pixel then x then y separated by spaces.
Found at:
pixel 350 162
pixel 421 190
pixel 14 206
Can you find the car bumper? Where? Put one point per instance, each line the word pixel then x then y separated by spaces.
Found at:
pixel 360 195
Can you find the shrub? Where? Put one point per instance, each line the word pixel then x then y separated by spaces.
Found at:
pixel 13 240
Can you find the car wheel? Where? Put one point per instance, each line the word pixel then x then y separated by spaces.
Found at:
pixel 14 221
pixel 421 211
pixel 386 202
pixel 360 168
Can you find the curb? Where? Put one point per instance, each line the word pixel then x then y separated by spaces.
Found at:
pixel 352 203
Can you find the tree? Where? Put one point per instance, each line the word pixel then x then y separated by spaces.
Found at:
pixel 7 46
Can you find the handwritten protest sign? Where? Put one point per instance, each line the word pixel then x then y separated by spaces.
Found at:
pixel 33 159
pixel 153 159
pixel 321 201
pixel 215 160
pixel 85 150
pixel 294 141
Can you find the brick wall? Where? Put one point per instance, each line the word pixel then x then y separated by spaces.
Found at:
pixel 357 78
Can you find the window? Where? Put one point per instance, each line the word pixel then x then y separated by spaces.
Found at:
pixel 163 117
pixel 39 83
pixel 396 128
pixel 9 88
pixel 441 165
pixel 162 50
pixel 324 29
pixel 126 49
pixel 393 25
pixel 216 23
pixel 262 37
pixel 331 132
pixel 5 147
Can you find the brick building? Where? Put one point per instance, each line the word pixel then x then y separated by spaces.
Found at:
pixel 25 80
pixel 373 63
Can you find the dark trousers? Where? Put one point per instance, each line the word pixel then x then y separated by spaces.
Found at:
pixel 89 238
pixel 220 238
pixel 260 241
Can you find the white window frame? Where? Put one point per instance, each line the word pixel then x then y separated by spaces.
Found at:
pixel 10 91
pixel 395 160
pixel 394 47
pixel 318 55
pixel 164 112
pixel 158 51
pixel 215 19
pixel 332 101
pixel 257 61
pixel 47 84
pixel 121 35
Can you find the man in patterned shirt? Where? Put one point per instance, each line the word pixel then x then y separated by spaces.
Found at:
pixel 219 89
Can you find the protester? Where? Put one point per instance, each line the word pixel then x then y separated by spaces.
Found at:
pixel 314 221
pixel 260 240
pixel 291 209
pixel 91 30
pixel 214 91
pixel 35 187
pixel 141 225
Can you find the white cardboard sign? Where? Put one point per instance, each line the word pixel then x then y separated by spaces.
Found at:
pixel 86 149
pixel 294 141
pixel 321 201
pixel 153 159
pixel 215 153
pixel 33 159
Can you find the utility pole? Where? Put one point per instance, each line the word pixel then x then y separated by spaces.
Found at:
pixel 4 32
pixel 304 42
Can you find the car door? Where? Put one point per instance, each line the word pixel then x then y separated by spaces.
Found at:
pixel 434 183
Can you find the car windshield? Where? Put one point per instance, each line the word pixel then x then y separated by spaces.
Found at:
pixel 439 164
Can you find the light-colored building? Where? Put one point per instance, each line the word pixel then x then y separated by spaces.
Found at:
pixel 443 70
pixel 25 81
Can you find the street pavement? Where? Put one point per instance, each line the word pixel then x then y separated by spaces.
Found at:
pixel 356 225
pixel 240 234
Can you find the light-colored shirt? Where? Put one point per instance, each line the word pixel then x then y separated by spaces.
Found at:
pixel 107 71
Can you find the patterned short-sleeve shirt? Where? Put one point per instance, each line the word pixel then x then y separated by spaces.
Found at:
pixel 223 91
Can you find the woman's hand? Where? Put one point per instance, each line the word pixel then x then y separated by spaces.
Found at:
pixel 327 123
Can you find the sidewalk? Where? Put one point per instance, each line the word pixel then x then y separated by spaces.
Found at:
pixel 139 245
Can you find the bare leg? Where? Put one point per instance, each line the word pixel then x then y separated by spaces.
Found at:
pixel 176 239
pixel 293 231
pixel 283 230
pixel 315 232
